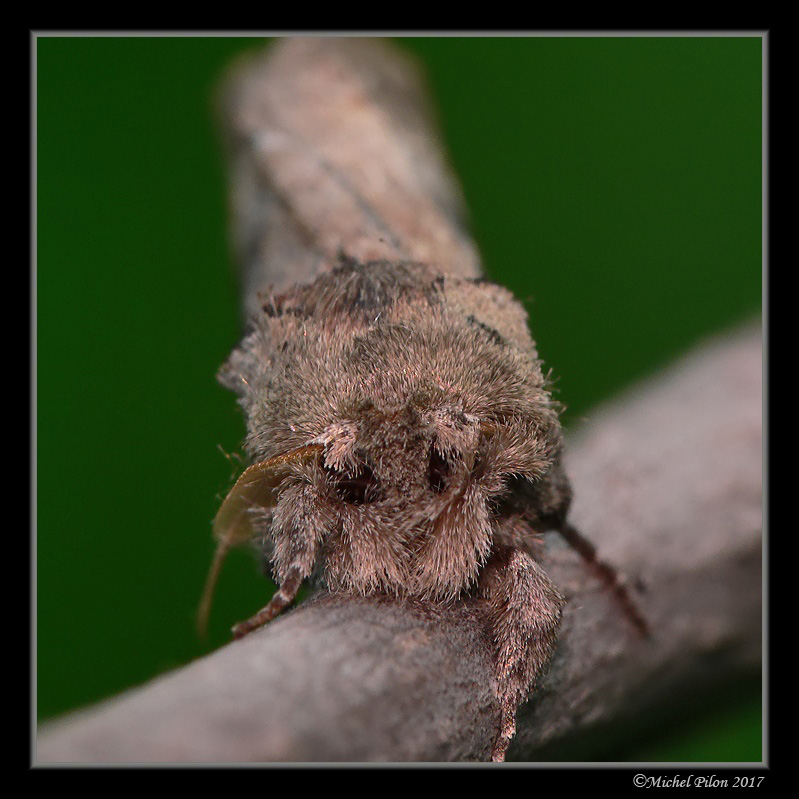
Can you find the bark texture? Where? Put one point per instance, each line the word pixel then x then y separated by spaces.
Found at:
pixel 333 148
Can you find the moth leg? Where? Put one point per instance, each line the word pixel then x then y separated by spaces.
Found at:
pixel 523 615
pixel 606 573
pixel 283 597
pixel 293 541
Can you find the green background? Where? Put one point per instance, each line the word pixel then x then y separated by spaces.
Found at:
pixel 614 183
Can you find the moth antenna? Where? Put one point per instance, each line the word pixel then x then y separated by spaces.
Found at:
pixel 607 574
pixel 204 608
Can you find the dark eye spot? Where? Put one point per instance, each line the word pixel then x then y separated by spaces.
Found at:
pixel 439 470
pixel 514 484
pixel 516 498
pixel 355 488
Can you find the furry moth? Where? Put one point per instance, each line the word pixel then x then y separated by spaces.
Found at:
pixel 402 436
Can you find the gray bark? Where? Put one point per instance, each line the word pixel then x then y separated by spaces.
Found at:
pixel 333 147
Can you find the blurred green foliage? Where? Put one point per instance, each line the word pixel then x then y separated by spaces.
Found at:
pixel 614 183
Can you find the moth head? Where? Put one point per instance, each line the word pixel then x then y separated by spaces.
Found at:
pixel 420 477
pixel 407 466
pixel 399 458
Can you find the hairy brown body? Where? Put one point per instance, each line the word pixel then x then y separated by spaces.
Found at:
pixel 420 416
pixel 402 435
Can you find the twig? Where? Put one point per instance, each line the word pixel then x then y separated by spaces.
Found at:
pixel 333 148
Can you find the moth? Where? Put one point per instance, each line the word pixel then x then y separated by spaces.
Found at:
pixel 402 435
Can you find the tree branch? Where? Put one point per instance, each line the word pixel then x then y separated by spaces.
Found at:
pixel 333 147
pixel 667 484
